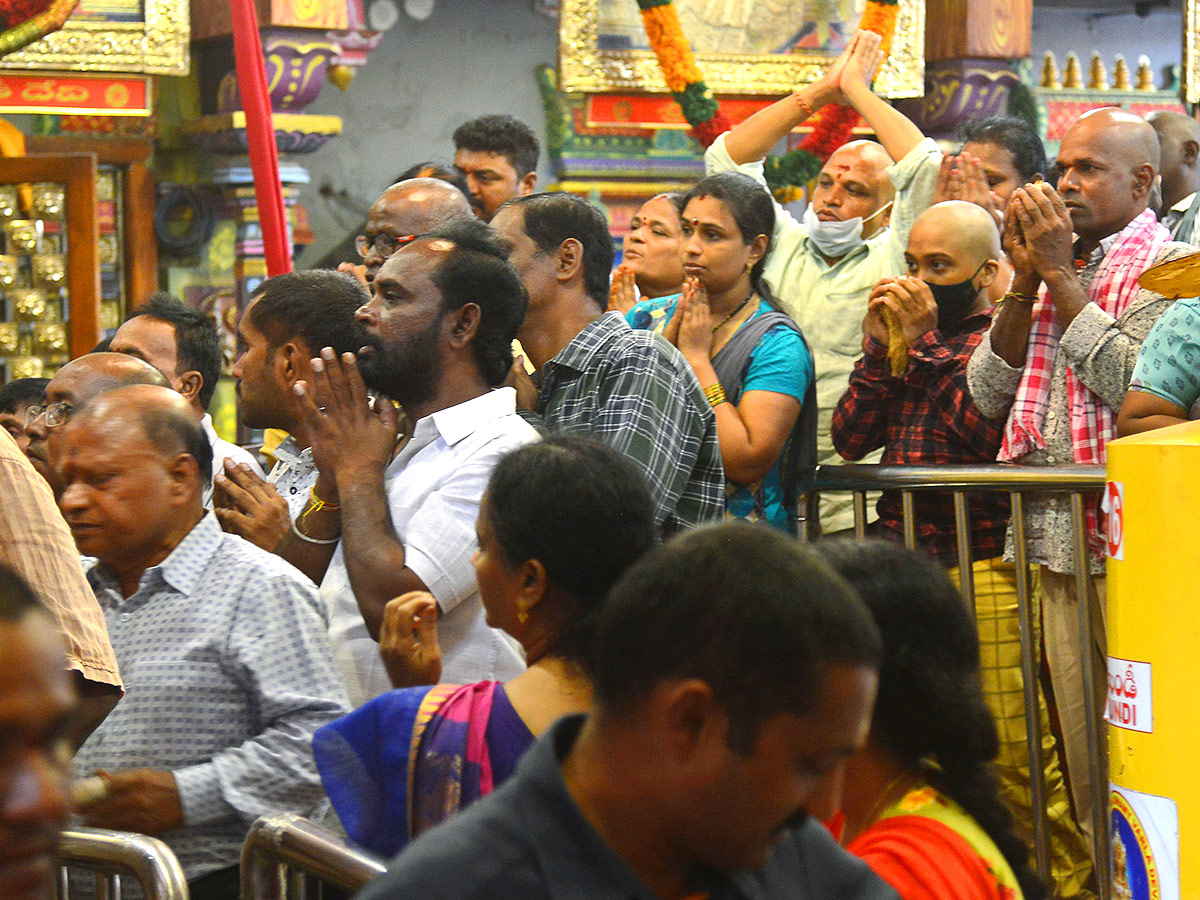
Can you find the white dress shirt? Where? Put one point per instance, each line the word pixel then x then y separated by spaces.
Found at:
pixel 434 487
pixel 223 450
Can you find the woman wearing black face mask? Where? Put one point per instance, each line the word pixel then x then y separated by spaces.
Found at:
pixel 925 415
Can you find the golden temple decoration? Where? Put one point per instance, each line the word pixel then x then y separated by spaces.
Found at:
pixel 1050 72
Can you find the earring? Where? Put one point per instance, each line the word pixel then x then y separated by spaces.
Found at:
pixel 749 266
pixel 522 615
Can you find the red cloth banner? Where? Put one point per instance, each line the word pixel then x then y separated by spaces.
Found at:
pixel 260 134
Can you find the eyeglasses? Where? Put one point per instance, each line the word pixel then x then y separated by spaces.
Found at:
pixel 384 244
pixel 56 413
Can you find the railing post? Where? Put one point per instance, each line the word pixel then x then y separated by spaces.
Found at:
pixel 111 855
pixel 1096 735
pixel 962 531
pixel 1030 676
pixel 285 850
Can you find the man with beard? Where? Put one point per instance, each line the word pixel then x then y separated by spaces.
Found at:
pixel 387 518
pixel 289 319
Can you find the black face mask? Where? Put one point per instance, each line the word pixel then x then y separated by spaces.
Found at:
pixel 954 301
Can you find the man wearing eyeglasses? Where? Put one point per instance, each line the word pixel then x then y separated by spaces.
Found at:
pixel 403 213
pixel 75 384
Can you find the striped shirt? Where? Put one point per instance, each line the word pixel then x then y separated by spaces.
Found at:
pixel 635 392
pixel 36 543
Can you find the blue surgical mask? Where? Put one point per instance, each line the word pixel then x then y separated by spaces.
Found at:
pixel 836 239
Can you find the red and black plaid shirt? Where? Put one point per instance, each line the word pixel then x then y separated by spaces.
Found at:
pixel 926 418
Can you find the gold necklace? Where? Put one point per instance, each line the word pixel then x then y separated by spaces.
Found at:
pixel 737 309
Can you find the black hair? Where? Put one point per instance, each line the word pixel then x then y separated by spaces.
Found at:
pixel 581 509
pixel 17 598
pixel 930 706
pixel 551 219
pixel 433 169
pixel 170 431
pixel 511 138
pixel 22 392
pixel 1012 134
pixel 750 611
pixel 477 271
pixel 197 345
pixel 317 306
pixel 753 212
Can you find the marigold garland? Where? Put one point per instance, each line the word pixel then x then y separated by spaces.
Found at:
pixel 835 123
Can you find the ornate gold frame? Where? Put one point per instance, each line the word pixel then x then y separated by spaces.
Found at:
pixel 582 66
pixel 157 45
pixel 1190 77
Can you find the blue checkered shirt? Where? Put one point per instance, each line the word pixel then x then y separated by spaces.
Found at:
pixel 228 672
pixel 635 392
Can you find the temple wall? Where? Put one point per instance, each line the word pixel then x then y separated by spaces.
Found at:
pixel 1060 30
pixel 469 58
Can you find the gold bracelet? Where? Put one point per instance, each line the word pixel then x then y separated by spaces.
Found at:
pixel 1020 298
pixel 715 394
pixel 315 504
pixel 803 104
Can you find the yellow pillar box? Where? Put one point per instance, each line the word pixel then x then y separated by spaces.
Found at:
pixel 1152 500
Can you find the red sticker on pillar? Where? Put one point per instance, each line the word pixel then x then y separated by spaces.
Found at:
pixel 1130 699
pixel 1113 505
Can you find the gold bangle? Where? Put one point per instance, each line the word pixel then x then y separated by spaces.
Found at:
pixel 317 503
pixel 803 104
pixel 715 394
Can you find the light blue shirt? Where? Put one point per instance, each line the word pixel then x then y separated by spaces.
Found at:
pixel 228 672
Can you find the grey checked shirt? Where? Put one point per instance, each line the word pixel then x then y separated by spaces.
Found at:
pixel 635 392
pixel 228 672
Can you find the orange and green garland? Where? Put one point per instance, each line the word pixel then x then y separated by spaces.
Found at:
pixel 686 83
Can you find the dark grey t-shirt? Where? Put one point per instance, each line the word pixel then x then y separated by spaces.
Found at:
pixel 529 841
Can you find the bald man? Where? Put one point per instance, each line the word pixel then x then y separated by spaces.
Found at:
pixel 926 416
pixel 74 385
pixel 229 669
pixel 1179 145
pixel 1074 303
pixel 405 211
pixel 823 268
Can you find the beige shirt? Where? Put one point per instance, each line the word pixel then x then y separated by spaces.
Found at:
pixel 36 543
pixel 829 302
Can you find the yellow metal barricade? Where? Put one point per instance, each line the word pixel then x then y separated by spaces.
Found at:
pixel 1152 496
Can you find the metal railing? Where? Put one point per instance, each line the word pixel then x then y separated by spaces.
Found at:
pixel 113 855
pixel 1019 482
pixel 287 857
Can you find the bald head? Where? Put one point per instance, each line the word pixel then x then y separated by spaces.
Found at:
pixel 854 183
pixel 133 467
pixel 1127 134
pixel 89 376
pixel 964 230
pixel 154 412
pixel 407 208
pixel 1108 163
pixel 1179 145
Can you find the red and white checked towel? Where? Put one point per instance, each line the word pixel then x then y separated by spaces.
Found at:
pixel 1112 288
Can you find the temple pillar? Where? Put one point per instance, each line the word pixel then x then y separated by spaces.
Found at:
pixel 969 49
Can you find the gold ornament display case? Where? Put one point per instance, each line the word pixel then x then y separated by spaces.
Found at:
pixel 600 49
pixel 142 36
pixel 49 273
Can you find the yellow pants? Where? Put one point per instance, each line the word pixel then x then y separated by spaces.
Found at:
pixel 999 627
